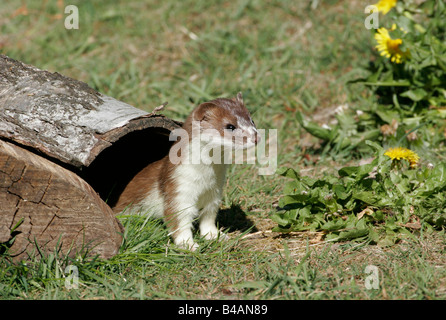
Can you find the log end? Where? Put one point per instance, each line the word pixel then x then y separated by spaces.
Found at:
pixel 49 206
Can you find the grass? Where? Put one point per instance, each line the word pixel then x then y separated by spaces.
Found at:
pixel 149 268
pixel 285 57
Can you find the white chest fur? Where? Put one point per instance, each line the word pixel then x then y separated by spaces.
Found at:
pixel 198 197
pixel 199 184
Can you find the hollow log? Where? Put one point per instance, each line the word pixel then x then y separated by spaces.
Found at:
pixel 66 150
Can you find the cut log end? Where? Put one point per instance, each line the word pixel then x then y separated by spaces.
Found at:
pixel 47 205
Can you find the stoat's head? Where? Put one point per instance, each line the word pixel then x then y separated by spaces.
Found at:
pixel 226 122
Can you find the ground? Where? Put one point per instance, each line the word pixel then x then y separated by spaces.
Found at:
pixel 286 57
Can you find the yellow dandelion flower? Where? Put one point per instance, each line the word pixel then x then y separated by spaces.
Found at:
pixel 390 48
pixel 385 6
pixel 398 154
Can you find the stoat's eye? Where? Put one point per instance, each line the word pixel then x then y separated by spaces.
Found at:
pixel 230 127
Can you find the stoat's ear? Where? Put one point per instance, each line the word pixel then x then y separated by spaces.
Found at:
pixel 203 110
pixel 239 98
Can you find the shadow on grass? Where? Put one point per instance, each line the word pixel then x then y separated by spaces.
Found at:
pixel 235 219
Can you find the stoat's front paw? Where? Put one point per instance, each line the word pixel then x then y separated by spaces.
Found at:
pixel 188 244
pixel 215 234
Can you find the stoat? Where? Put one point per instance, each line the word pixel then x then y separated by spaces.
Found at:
pixel 187 184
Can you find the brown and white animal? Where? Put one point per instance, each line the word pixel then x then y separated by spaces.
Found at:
pixel 188 190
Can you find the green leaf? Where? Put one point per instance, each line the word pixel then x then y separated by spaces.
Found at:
pixel 287 172
pixel 365 196
pixel 353 234
pixel 281 219
pixel 348 171
pixel 397 83
pixel 387 241
pixel 359 172
pixel 334 225
pixel 387 114
pixel 415 94
pixel 340 192
pixel 373 235
pixel 313 128
pixel 288 200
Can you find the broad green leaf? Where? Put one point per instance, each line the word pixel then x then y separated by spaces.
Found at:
pixel 387 113
pixel 280 219
pixel 341 192
pixel 313 128
pixel 353 234
pixel 348 171
pixel 375 146
pixel 289 200
pixel 367 197
pixel 288 172
pixel 293 187
pixel 334 225
pixel 373 235
pixel 415 94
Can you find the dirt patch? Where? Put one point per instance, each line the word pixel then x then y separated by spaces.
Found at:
pixel 261 238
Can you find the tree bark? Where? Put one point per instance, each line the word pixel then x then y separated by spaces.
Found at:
pixel 62 117
pixel 63 146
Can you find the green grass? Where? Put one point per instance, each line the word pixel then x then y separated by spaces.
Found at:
pixel 285 57
pixel 147 267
